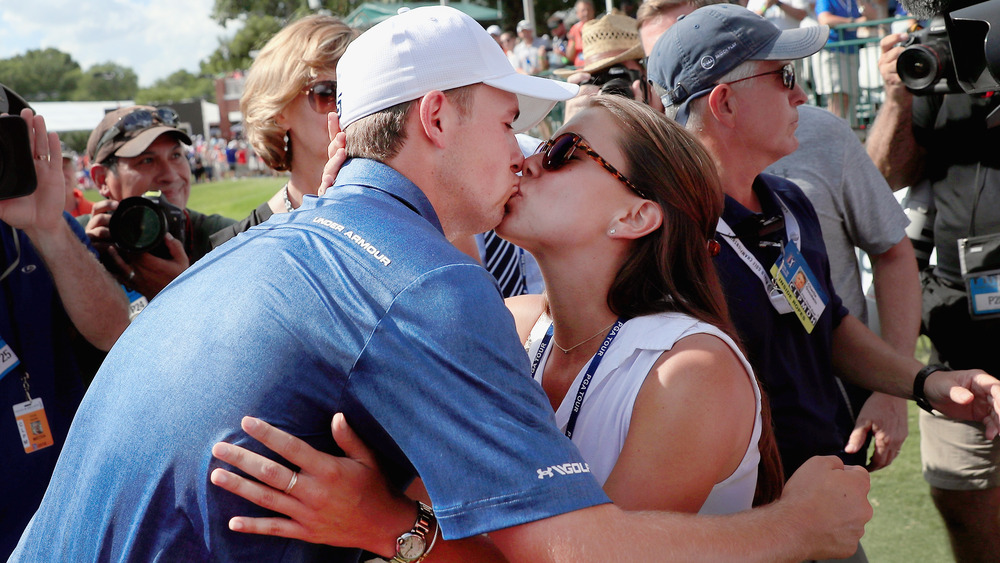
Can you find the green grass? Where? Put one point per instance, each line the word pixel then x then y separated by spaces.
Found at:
pixel 906 526
pixel 230 198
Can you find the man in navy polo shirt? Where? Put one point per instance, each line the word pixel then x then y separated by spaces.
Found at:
pixel 357 303
pixel 726 73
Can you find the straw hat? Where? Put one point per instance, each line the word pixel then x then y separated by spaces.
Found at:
pixel 613 33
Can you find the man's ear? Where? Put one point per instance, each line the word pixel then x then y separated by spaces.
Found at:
pixel 435 111
pixel 99 174
pixel 638 220
pixel 722 105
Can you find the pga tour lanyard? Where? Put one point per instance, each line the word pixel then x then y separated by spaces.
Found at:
pixel 591 369
pixel 774 294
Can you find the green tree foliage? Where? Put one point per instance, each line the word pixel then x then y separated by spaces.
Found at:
pixel 40 75
pixel 107 81
pixel 179 86
pixel 234 54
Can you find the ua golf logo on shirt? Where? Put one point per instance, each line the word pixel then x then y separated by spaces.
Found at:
pixel 564 469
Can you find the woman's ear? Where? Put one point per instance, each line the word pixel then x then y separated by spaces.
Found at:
pixel 638 221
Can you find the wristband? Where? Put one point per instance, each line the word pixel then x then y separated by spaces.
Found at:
pixel 918 385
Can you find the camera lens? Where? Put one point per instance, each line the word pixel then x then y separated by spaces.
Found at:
pixel 919 67
pixel 137 225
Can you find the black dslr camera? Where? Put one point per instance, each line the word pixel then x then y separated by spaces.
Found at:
pixel 958 52
pixel 616 80
pixel 140 224
pixel 17 167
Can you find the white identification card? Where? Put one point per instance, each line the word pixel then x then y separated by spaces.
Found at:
pixel 33 425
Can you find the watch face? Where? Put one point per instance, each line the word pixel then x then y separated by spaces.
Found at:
pixel 410 546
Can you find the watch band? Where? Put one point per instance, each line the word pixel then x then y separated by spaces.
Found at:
pixel 412 546
pixel 918 385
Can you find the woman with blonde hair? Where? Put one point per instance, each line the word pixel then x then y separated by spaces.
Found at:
pixel 631 341
pixel 289 90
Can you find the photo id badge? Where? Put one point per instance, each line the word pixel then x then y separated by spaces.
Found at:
pixel 8 359
pixel 984 294
pixel 33 425
pixel 799 286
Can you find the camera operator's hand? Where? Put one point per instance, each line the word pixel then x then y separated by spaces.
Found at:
pixel 40 212
pixel 579 101
pixel 149 274
pixel 891 46
pixel 97 226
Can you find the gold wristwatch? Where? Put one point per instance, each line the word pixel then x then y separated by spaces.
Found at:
pixel 412 545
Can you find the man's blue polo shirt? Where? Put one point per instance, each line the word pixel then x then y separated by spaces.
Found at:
pixel 356 303
pixel 795 367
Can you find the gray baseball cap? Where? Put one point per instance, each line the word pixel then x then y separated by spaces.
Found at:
pixel 689 58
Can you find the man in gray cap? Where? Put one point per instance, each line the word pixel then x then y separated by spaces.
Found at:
pixel 725 72
pixel 132 151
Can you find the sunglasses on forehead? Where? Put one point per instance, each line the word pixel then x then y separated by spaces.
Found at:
pixel 557 151
pixel 138 120
pixel 322 96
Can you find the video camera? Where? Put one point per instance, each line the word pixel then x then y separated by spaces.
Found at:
pixel 140 223
pixel 617 80
pixel 958 52
pixel 17 167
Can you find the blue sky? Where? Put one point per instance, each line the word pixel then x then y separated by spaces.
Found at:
pixel 153 37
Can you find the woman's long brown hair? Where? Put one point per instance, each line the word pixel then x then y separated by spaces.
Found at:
pixel 671 269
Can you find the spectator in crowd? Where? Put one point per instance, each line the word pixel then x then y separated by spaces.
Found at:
pixel 559 42
pixel 495 32
pixel 58 304
pixel 530 54
pixel 942 143
pixel 346 294
pixel 76 204
pixel 507 41
pixel 289 90
pixel 784 14
pixel 656 16
pixel 584 13
pixel 856 208
pixel 795 338
pixel 135 150
pixel 836 73
pixel 613 52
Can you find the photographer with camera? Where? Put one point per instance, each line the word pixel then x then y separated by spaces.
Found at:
pixel 145 243
pixel 57 305
pixel 942 141
pixel 613 53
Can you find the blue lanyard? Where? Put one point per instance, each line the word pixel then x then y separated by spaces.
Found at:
pixel 591 369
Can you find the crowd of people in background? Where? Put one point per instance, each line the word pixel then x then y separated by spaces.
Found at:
pixel 450 282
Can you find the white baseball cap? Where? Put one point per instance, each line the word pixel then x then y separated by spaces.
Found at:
pixel 434 48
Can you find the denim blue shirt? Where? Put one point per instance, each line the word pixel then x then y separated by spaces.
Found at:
pixel 355 303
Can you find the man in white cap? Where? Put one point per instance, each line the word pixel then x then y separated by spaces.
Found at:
pixel 357 303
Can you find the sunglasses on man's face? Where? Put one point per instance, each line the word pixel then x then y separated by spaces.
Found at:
pixel 556 153
pixel 322 96
pixel 787 73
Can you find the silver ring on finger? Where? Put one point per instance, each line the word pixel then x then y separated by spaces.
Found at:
pixel 131 276
pixel 291 483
